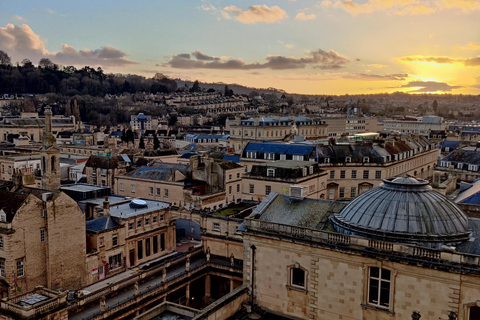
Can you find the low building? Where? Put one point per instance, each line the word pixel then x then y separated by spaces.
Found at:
pixel 375 258
pixel 310 181
pixel 102 169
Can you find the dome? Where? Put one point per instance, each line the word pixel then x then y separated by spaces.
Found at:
pixel 404 210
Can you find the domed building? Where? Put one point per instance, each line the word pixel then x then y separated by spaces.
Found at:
pixel 405 210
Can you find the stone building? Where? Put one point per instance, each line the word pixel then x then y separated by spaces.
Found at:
pixel 128 233
pixel 398 251
pixel 102 169
pixel 42 241
pixel 270 129
pixel 278 176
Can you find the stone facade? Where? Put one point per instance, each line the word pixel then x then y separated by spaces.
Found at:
pixel 43 243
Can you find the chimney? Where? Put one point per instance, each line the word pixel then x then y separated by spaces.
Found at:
pixel 106 207
pixel 48 120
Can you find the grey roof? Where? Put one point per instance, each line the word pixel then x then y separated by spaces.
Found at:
pixel 124 210
pixel 307 213
pixel 464 155
pixel 102 223
pixel 356 153
pixel 404 210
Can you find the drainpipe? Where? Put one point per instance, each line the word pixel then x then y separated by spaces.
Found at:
pixel 253 270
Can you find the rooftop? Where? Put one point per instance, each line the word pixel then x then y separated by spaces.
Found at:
pixel 124 210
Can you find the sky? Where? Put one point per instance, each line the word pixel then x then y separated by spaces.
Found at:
pixel 300 46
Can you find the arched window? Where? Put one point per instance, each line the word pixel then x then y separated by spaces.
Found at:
pixel 297 277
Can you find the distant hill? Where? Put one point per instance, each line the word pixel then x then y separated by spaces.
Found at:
pixel 237 89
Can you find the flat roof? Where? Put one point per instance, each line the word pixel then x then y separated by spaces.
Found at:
pixel 123 210
pixel 99 201
pixel 81 187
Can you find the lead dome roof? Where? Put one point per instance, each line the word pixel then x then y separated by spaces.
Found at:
pixel 405 210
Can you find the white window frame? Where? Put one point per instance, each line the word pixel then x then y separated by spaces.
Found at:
pixel 216 226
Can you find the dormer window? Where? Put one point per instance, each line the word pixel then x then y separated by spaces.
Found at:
pixel 366 159
pixel 348 159
pixel 326 160
pixel 3 216
pixel 270 172
pixel 459 165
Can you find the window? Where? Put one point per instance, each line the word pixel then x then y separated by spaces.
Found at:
pixel 342 192
pixel 378 174
pixel 238 187
pixel 238 175
pixel 2 268
pixel 154 219
pixel 230 190
pixel 229 177
pixel 42 235
pixel 354 174
pixel 20 269
pixel 155 244
pixel 101 242
pixel 326 160
pixel 216 226
pixel 147 221
pixel 365 174
pixel 332 174
pixel 147 247
pixel 150 191
pixel 348 159
pixel 252 188
pixel 366 159
pixel 268 189
pixel 139 223
pixel 270 172
pixel 1 242
pixel 115 261
pixel 331 193
pixel 342 174
pixel 379 281
pixel 158 191
pixel 133 188
pixel 353 192
pixel 115 240
pixel 165 193
pixel 162 241
pixel 130 226
pixel 121 187
pixel 297 277
pixel 162 217
pixel 42 213
pixel 140 250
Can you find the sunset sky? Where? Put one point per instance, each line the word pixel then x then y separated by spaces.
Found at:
pixel 301 46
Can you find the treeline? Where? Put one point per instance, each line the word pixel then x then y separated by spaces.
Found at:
pixel 47 77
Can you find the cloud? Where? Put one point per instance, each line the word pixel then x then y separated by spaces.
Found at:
pixel 376 77
pixel 470 46
pixel 18 18
pixel 303 16
pixel 399 7
pixel 378 66
pixel 289 46
pixel 318 59
pixel 254 14
pixel 21 42
pixel 429 86
pixel 468 62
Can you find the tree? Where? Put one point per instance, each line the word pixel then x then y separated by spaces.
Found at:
pixel 129 136
pixel 45 63
pixel 5 59
pixel 435 106
pixel 172 120
pixel 227 92
pixel 156 142
pixel 195 87
pixel 141 145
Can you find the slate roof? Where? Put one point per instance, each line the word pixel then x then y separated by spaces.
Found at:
pixel 356 153
pixel 11 202
pixel 464 156
pixel 183 168
pixel 469 194
pixel 404 210
pixel 232 158
pixel 451 145
pixel 101 224
pixel 279 148
pixel 104 162
pixel 307 213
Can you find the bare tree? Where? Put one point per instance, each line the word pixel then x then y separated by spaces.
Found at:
pixel 5 59
pixel 45 63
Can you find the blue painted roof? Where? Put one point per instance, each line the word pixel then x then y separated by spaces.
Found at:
pixel 279 148
pixel 232 158
pixel 188 155
pixel 100 224
pixel 141 116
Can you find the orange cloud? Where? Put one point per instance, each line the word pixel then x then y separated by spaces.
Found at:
pixel 22 42
pixel 470 46
pixel 399 7
pixel 303 16
pixel 254 14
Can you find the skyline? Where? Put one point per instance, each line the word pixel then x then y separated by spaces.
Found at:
pixel 306 47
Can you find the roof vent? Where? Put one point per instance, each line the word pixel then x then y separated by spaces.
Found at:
pixel 137 203
pixel 298 191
